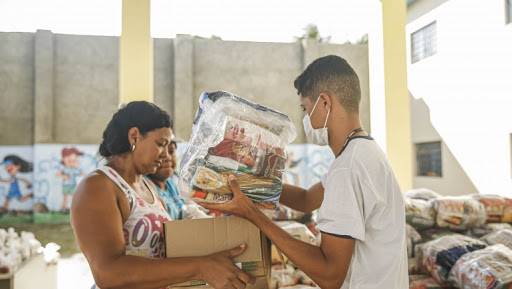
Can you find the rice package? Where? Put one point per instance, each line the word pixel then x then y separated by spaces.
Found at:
pixel 419 213
pixel 232 135
pixel 489 268
pixel 459 213
pixel 440 255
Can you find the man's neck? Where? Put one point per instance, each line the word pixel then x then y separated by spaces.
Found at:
pixel 339 135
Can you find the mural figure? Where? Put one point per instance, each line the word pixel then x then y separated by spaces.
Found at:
pixel 70 172
pixel 14 165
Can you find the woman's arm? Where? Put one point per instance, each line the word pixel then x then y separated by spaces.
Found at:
pixel 97 221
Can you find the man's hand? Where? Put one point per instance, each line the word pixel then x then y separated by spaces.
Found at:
pixel 220 272
pixel 241 205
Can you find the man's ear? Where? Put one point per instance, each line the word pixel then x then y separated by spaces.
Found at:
pixel 325 100
pixel 133 135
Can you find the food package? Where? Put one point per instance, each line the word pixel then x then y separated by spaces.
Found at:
pixel 499 237
pixel 413 238
pixel 440 255
pixel 459 213
pixel 507 211
pixel 485 229
pixel 232 135
pixel 283 277
pixel 297 230
pixel 423 282
pixel 493 205
pixel 422 194
pixel 419 213
pixel 489 268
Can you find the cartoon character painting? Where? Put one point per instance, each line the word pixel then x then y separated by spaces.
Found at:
pixel 70 172
pixel 14 165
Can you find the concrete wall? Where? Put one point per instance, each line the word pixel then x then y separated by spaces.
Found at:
pixel 64 88
pixel 16 88
pixel 461 95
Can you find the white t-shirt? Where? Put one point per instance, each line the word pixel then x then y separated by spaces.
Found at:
pixel 362 199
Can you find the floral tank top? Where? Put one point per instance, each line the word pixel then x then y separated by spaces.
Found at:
pixel 143 231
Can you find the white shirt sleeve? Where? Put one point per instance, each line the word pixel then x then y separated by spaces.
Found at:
pixel 341 212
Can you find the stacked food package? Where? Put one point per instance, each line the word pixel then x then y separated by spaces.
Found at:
pixel 467 240
pixel 232 135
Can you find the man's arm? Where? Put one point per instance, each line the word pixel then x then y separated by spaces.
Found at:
pixel 327 265
pixel 302 200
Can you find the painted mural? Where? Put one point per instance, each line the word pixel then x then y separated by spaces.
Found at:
pixel 37 183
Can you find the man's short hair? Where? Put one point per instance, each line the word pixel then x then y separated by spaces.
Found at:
pixel 332 75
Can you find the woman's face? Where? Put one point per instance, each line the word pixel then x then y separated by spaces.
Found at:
pixel 151 150
pixel 168 165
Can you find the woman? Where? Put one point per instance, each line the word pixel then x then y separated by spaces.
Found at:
pixel 167 189
pixel 118 218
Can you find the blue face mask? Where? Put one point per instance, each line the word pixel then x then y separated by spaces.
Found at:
pixel 318 136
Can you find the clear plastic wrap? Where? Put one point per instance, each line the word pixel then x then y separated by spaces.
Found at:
pixel 499 237
pixel 422 194
pixel 419 213
pixel 507 211
pixel 232 135
pixel 440 255
pixel 489 268
pixel 459 213
pixel 493 205
pixel 485 229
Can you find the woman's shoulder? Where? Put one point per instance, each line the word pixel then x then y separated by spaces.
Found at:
pixel 95 181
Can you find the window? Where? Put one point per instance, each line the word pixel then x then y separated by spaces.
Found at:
pixel 428 159
pixel 508 11
pixel 424 42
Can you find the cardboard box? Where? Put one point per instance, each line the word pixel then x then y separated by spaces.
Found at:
pixel 200 237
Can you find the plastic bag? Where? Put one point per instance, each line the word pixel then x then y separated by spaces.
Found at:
pixel 422 194
pixel 489 268
pixel 500 237
pixel 485 229
pixel 419 213
pixel 232 135
pixel 507 211
pixel 493 205
pixel 440 255
pixel 459 213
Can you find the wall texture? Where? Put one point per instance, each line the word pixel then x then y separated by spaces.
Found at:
pixel 64 89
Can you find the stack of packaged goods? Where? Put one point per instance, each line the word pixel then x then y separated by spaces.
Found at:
pixel 15 249
pixel 232 135
pixel 285 273
pixel 455 232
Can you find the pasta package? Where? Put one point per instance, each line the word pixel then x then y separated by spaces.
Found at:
pixel 233 136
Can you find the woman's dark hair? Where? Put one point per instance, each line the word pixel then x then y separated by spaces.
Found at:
pixel 24 165
pixel 140 114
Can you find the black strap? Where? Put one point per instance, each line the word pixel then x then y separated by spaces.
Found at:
pixel 349 138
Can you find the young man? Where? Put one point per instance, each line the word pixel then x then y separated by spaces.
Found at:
pixel 361 218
